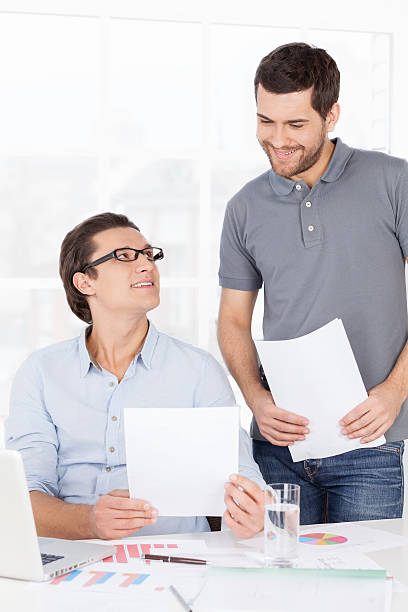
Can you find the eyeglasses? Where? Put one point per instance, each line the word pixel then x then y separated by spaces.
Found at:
pixel 127 254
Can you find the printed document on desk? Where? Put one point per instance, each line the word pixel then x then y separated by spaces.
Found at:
pixel 316 376
pixel 178 459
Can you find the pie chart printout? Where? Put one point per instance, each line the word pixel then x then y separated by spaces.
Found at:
pixel 322 539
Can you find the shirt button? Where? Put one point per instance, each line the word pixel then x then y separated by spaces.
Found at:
pixel 298 187
pixel 111 384
pixel 114 418
pixel 112 449
pixel 311 228
pixel 108 469
pixel 308 204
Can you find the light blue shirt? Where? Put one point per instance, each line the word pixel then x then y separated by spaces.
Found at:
pixel 66 416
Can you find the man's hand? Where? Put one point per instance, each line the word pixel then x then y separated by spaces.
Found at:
pixel 373 417
pixel 279 426
pixel 245 506
pixel 116 516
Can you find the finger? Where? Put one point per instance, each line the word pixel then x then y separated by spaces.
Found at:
pixel 236 512
pixel 279 435
pixel 363 421
pixel 289 417
pixel 120 503
pixel 244 501
pixel 250 487
pixel 237 527
pixel 275 441
pixel 230 521
pixel 375 435
pixel 128 524
pixel 288 427
pixel 354 414
pixel 367 431
pixel 130 514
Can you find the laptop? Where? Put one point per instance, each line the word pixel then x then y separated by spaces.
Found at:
pixel 22 554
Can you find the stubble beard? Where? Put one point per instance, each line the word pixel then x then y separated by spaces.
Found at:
pixel 305 163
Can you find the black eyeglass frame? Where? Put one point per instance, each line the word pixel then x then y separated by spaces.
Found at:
pixel 113 255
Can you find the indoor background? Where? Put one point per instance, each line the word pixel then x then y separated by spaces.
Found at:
pixel 147 108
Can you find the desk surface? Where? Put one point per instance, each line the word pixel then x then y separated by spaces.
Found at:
pixel 15 597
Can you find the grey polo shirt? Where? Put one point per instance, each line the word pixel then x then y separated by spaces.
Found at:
pixel 336 250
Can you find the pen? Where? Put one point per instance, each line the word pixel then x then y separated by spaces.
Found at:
pixel 180 599
pixel 169 559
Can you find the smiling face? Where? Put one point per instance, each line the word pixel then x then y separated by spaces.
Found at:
pixel 130 288
pixel 293 135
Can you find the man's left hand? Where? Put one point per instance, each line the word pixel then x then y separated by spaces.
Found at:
pixel 373 417
pixel 245 506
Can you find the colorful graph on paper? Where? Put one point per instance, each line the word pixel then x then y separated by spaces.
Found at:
pixel 126 552
pixel 86 579
pixel 322 539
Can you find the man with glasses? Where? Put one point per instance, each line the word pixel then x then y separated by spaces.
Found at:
pixel 67 399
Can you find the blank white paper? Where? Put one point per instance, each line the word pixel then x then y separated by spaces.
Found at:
pixel 178 459
pixel 316 376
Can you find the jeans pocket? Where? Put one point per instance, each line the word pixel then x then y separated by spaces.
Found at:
pixel 390 447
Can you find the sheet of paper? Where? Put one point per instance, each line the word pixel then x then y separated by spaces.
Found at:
pixel 178 459
pixel 288 590
pixel 316 376
pixel 129 552
pixel 346 537
pixel 336 538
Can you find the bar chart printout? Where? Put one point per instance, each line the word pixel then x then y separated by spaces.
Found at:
pixel 98 580
pixel 126 552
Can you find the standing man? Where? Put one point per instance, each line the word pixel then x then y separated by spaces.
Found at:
pixel 326 231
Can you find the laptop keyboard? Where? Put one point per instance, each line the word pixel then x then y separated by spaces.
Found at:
pixel 49 558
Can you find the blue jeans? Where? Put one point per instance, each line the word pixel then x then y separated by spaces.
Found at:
pixel 360 485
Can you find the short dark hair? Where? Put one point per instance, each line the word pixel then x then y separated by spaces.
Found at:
pixel 299 66
pixel 76 250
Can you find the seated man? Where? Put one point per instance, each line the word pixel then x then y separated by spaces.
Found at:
pixel 67 399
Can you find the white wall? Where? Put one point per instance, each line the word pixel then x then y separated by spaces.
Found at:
pixel 147 108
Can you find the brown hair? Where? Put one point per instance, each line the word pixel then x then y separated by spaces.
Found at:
pixel 76 250
pixel 299 66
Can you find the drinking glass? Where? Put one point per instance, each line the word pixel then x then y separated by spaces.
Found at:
pixel 281 525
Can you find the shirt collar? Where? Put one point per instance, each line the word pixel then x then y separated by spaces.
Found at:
pixel 146 354
pixel 341 154
pixel 85 360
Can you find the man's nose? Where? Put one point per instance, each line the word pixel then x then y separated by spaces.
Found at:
pixel 142 263
pixel 280 138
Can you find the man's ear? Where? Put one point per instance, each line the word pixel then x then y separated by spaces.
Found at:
pixel 83 283
pixel 332 117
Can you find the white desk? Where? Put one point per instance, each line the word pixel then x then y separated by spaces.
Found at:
pixel 15 597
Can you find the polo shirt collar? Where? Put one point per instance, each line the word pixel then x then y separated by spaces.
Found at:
pixel 146 354
pixel 341 154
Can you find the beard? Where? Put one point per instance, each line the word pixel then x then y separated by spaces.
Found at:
pixel 310 156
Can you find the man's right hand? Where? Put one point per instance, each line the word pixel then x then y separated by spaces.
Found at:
pixel 278 426
pixel 116 516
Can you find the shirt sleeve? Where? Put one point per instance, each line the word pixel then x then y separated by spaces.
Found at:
pixel 215 390
pixel 401 209
pixel 30 430
pixel 238 269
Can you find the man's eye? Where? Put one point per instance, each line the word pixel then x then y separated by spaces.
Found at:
pixel 265 121
pixel 295 126
pixel 123 256
pixel 148 253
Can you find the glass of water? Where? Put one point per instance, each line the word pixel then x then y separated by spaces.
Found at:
pixel 281 525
